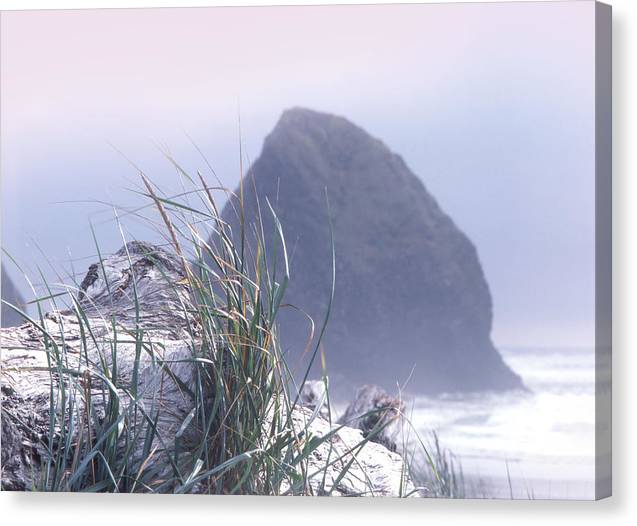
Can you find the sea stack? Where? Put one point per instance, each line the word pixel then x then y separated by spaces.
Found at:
pixel 10 317
pixel 411 303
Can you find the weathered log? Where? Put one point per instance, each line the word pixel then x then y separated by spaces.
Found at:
pixel 139 295
pixel 138 275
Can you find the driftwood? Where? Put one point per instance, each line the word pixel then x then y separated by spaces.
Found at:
pixel 106 290
pixel 146 276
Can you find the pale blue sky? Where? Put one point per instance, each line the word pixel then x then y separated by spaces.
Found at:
pixel 492 105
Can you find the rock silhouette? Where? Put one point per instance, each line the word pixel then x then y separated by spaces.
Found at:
pixel 411 300
pixel 10 293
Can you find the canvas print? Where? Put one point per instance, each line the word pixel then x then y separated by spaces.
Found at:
pixel 307 251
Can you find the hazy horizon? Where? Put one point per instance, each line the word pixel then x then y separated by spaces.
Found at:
pixel 496 116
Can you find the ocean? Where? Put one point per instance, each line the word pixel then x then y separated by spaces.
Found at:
pixel 538 444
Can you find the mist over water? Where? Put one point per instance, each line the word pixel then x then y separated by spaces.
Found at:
pixel 542 440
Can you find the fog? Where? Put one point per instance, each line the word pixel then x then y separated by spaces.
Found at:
pixel 491 105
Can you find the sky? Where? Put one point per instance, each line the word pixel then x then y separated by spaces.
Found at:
pixel 491 105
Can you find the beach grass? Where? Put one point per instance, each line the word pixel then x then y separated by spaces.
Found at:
pixel 244 392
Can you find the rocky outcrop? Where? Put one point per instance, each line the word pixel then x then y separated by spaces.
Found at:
pixel 376 414
pixel 142 288
pixel 313 395
pixel 10 294
pixel 411 300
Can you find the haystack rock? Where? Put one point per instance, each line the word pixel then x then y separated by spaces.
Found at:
pixel 10 293
pixel 411 300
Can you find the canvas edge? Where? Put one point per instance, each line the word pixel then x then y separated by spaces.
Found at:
pixel 603 249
